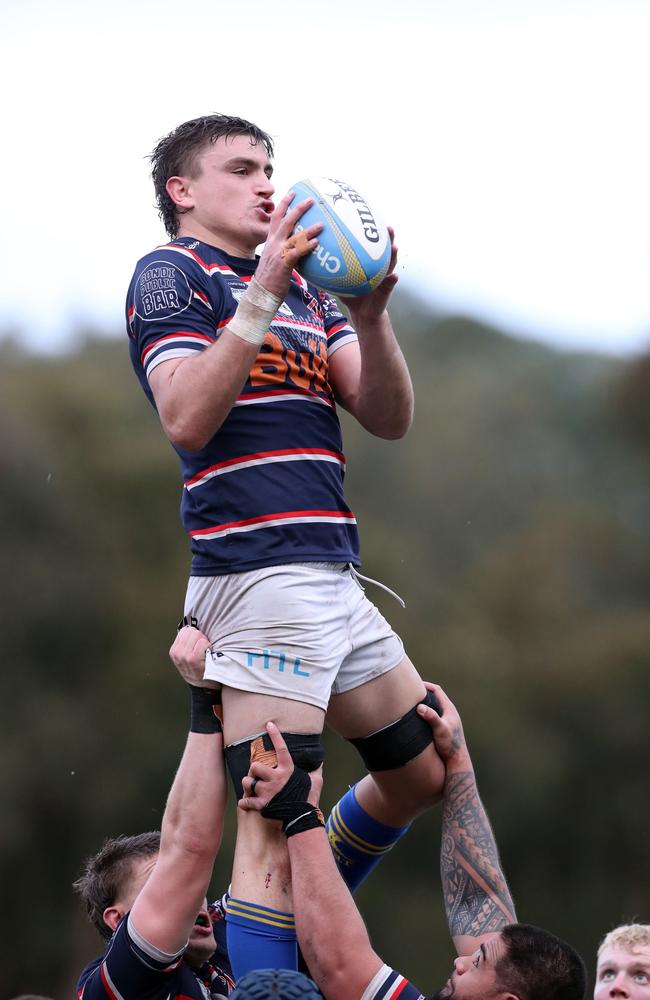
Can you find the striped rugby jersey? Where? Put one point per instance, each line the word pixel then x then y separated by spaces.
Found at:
pixel 132 969
pixel 388 985
pixel 268 488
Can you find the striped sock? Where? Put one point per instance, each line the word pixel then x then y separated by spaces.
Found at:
pixel 358 841
pixel 259 938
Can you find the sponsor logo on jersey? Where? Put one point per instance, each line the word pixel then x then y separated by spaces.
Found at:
pixel 161 291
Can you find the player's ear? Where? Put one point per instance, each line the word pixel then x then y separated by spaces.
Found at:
pixel 112 916
pixel 178 189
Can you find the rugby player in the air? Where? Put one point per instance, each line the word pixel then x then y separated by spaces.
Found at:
pixel 246 363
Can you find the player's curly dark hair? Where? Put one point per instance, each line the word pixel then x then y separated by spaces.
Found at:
pixel 176 155
pixel 538 965
pixel 106 873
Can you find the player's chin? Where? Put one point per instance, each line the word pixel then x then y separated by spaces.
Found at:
pixel 446 993
pixel 201 946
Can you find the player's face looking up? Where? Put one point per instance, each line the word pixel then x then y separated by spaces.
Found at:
pixel 474 975
pixel 226 201
pixel 201 943
pixel 623 974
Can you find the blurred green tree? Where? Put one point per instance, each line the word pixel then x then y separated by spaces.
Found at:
pixel 513 519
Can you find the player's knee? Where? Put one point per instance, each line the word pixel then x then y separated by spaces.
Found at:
pixel 306 751
pixel 424 779
pixel 395 745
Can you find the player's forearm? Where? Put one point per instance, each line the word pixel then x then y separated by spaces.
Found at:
pixel 384 404
pixel 193 819
pixel 477 899
pixel 195 398
pixel 331 933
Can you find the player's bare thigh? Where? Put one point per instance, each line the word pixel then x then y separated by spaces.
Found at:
pixel 246 714
pixel 395 796
pixel 377 703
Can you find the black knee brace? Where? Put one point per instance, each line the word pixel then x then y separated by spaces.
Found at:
pixel 306 752
pixel 397 744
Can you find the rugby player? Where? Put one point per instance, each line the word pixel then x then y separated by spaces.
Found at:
pixel 245 363
pixel 498 959
pixel 146 894
pixel 623 970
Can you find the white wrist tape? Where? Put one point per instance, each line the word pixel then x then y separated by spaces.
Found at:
pixel 255 313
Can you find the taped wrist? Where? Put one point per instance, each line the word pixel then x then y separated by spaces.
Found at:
pixel 255 313
pixel 205 710
pixel 290 805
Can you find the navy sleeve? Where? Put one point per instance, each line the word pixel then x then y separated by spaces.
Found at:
pixel 388 985
pixel 174 306
pixel 126 972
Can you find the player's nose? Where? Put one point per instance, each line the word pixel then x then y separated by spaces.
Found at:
pixel 265 186
pixel 460 965
pixel 618 989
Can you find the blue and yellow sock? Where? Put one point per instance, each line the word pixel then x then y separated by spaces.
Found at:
pixel 259 938
pixel 358 841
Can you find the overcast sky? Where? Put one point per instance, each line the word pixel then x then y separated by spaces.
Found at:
pixel 507 142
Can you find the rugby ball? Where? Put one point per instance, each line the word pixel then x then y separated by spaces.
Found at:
pixel 353 251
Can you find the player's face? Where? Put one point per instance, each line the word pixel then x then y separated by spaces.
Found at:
pixel 623 974
pixel 230 202
pixel 201 943
pixel 474 975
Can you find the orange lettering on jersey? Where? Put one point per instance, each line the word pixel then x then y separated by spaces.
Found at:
pixel 277 365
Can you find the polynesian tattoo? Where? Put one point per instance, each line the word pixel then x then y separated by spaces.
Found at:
pixel 477 899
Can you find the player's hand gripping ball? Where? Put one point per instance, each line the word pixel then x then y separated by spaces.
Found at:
pixel 354 248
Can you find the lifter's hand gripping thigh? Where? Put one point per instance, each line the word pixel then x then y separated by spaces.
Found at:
pixel 264 781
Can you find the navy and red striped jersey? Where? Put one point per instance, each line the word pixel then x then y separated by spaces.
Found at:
pixel 389 985
pixel 268 488
pixel 132 970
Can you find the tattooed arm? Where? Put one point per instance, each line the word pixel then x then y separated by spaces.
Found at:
pixel 477 899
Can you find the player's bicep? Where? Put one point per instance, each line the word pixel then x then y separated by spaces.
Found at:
pixel 166 909
pixel 345 374
pixel 161 383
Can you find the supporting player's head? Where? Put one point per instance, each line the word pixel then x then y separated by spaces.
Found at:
pixel 275 984
pixel 111 876
pixel 520 963
pixel 178 154
pixel 623 968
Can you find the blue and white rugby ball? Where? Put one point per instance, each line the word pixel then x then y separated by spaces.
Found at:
pixel 353 251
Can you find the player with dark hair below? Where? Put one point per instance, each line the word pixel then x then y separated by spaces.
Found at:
pixel 145 894
pixel 246 363
pixel 499 959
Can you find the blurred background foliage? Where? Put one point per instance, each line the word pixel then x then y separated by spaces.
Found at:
pixel 513 519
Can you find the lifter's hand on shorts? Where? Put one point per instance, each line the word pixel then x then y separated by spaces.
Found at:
pixel 447 730
pixel 277 261
pixel 263 782
pixel 187 653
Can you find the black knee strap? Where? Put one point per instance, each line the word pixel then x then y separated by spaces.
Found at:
pixel 307 752
pixel 400 742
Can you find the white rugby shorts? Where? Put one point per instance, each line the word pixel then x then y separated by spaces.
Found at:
pixel 301 631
